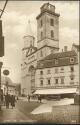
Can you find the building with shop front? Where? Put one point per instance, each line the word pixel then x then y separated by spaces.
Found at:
pixel 46 70
pixel 9 87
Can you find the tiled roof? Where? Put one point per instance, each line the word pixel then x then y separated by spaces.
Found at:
pixel 62 57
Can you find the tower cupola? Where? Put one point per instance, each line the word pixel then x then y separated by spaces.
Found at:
pixel 48 26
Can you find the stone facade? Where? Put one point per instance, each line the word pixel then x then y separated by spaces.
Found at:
pixel 47 44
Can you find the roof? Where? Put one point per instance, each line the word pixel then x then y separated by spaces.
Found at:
pixel 55 91
pixel 62 57
pixel 77 46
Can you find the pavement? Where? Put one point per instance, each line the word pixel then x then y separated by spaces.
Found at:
pixel 13 115
pixel 47 107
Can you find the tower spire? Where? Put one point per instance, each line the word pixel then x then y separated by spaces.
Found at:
pixel 29 31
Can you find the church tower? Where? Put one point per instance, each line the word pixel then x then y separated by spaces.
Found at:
pixel 29 40
pixel 48 27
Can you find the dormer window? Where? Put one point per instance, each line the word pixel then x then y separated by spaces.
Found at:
pixel 51 22
pixel 71 60
pixel 56 61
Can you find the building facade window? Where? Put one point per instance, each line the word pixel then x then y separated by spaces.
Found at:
pixel 62 80
pixel 72 69
pixel 49 81
pixel 51 22
pixel 48 71
pixel 41 82
pixel 41 72
pixel 41 23
pixel 52 34
pixel 41 35
pixel 56 81
pixel 56 70
pixel 72 77
pixel 62 69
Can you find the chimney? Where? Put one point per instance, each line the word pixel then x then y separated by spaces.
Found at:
pixel 65 48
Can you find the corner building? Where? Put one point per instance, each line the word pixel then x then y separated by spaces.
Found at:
pixel 39 63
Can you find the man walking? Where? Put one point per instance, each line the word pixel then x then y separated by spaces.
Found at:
pixel 7 100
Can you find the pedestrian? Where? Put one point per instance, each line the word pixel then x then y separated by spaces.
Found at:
pixel 39 98
pixel 13 101
pixel 28 98
pixel 7 100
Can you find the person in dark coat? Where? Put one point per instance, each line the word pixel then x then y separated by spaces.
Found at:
pixel 28 98
pixel 39 98
pixel 7 100
pixel 12 101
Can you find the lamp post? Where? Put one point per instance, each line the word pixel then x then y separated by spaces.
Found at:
pixel 0 83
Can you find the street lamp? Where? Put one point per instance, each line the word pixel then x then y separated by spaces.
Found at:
pixel 0 83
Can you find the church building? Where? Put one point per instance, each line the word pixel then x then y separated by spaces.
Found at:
pixel 44 68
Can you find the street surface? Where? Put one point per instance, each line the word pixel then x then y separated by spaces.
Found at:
pixel 13 115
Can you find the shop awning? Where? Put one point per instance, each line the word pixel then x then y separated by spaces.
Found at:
pixel 55 91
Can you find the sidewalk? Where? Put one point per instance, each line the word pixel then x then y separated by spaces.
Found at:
pixel 13 115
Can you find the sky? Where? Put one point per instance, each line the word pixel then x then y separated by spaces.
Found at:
pixel 15 20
